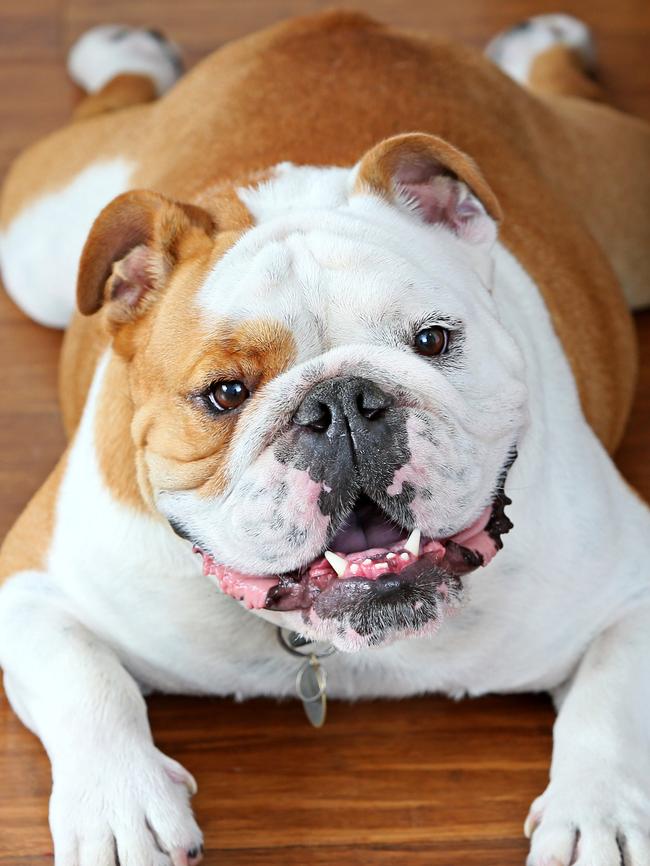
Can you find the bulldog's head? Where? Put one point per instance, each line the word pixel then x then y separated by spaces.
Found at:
pixel 325 402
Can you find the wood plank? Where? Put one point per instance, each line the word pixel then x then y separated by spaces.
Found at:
pixel 31 30
pixel 419 779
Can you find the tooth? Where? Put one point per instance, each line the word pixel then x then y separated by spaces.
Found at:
pixel 413 543
pixel 338 563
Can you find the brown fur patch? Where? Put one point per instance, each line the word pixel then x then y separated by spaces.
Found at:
pixel 121 462
pixel 120 92
pixel 27 543
pixel 561 71
pixel 84 342
pixel 222 201
pixel 113 439
pixel 180 443
pixel 165 428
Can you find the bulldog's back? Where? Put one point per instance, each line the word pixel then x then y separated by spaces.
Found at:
pixel 323 89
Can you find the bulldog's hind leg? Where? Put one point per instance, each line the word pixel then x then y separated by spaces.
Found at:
pixel 549 53
pixel 122 66
pixel 115 798
pixel 55 189
pixel 596 809
pixel 553 57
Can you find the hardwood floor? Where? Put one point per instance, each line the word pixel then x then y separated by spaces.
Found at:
pixel 425 781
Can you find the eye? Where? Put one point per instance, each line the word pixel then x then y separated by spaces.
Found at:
pixel 431 341
pixel 227 395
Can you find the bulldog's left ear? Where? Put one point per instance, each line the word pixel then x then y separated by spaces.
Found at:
pixel 133 246
pixel 427 175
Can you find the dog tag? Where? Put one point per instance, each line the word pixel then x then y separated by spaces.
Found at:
pixel 311 682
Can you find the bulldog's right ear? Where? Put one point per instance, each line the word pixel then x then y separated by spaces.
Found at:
pixel 132 248
pixel 426 175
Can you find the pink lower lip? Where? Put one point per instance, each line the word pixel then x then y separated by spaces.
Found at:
pixel 475 529
pixel 370 564
pixel 252 592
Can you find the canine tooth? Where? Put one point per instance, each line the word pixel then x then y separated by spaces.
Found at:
pixel 338 563
pixel 413 543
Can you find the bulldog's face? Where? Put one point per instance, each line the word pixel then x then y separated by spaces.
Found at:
pixel 326 403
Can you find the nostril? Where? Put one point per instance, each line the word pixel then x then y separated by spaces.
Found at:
pixel 369 412
pixel 323 420
pixel 335 403
pixel 371 406
pixel 314 415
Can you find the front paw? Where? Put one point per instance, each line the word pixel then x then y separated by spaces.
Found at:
pixel 597 820
pixel 128 808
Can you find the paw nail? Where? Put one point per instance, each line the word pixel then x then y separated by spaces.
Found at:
pixel 182 857
pixel 529 826
pixel 180 776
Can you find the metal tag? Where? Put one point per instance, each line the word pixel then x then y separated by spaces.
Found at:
pixel 311 684
pixel 311 679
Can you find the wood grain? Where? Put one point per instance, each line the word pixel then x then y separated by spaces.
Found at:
pixel 418 782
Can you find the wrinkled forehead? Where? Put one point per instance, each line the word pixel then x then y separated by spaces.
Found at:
pixel 356 263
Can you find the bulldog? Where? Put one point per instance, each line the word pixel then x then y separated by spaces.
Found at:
pixel 351 351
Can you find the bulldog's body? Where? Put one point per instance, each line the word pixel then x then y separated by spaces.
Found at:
pixel 104 588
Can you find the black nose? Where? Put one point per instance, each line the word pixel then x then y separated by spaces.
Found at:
pixel 351 436
pixel 353 402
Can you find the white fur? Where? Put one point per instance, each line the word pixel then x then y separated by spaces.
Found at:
pixel 104 52
pixel 570 590
pixel 110 783
pixel 352 276
pixel 41 247
pixel 515 50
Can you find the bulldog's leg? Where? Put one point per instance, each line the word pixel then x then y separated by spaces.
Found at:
pixel 122 66
pixel 116 800
pixel 549 53
pixel 596 809
pixel 57 187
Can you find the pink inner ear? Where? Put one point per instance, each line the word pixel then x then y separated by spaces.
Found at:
pixel 442 199
pixel 132 277
pixel 436 199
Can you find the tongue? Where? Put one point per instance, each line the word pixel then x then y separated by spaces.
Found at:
pixel 365 529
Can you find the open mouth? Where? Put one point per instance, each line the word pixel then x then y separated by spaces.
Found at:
pixel 370 552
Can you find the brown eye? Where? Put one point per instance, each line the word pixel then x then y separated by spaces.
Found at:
pixel 227 395
pixel 431 341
